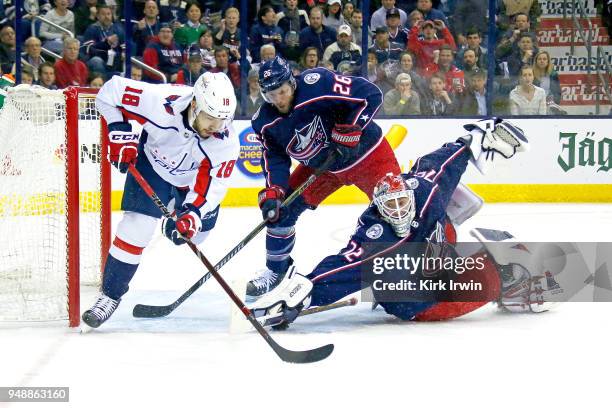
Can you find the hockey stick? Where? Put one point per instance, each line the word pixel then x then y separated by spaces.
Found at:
pixel 149 311
pixel 310 311
pixel 290 356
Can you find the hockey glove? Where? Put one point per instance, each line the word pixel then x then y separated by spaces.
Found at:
pixel 346 139
pixel 123 145
pixel 186 225
pixel 270 200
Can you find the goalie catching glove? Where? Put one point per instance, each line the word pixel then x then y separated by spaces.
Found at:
pixel 346 140
pixel 186 225
pixel 122 146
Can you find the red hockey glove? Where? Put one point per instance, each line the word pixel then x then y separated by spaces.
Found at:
pixel 188 223
pixel 123 145
pixel 270 200
pixel 346 138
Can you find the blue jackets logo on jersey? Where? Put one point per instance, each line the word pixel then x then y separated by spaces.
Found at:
pixel 308 141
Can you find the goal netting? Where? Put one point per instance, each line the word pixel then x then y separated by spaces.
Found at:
pixel 53 206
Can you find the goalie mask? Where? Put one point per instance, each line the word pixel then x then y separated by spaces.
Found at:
pixel 395 203
pixel 214 103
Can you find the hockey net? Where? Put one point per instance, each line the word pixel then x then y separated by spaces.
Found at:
pixel 54 202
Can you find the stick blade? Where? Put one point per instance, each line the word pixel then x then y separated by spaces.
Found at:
pixel 151 311
pixel 306 356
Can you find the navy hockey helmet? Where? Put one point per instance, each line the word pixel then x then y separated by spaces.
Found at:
pixel 273 74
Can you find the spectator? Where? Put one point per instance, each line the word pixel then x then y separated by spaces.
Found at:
pixel 173 12
pixel 526 98
pixel 402 100
pixel 136 73
pixel 163 55
pixel 454 77
pixel 61 16
pixel 228 35
pixel 292 20
pixel 189 73
pixel 440 102
pixel 317 35
pixel 254 100
pixel 46 75
pixel 430 13
pixel 190 32
pixel 384 49
pixel 7 49
pixel 473 41
pixel 148 27
pixel 32 55
pixel 27 75
pixel 265 32
pixel 343 50
pixel 310 58
pixel 379 17
pixel 69 69
pixel 356 23
pixel 546 77
pixel 523 55
pixel 417 82
pixel 207 50
pixel 470 63
pixel 423 48
pixel 333 16
pixel 85 15
pixel 474 101
pixel 509 9
pixel 414 18
pixel 397 34
pixel 470 16
pixel 509 40
pixel 267 52
pixel 373 71
pixel 103 41
pixel 96 80
pixel 230 69
pixel 347 12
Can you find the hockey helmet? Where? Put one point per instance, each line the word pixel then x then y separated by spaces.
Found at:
pixel 214 96
pixel 395 202
pixel 273 74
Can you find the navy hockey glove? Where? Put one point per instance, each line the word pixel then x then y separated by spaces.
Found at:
pixel 122 146
pixel 270 200
pixel 187 224
pixel 346 138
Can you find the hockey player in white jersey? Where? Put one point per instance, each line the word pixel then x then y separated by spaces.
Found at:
pixel 186 151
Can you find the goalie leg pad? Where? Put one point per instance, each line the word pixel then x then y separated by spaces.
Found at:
pixel 463 204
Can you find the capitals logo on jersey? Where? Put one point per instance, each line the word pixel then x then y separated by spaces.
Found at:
pixel 308 141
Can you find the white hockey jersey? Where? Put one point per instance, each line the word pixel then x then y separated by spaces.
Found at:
pixel 173 148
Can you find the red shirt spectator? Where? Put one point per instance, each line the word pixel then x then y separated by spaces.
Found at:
pixel 230 69
pixel 163 55
pixel 70 70
pixel 455 78
pixel 424 48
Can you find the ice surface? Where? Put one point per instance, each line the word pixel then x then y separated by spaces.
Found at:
pixel 189 359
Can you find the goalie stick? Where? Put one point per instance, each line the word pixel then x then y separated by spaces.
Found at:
pixel 314 310
pixel 149 311
pixel 290 356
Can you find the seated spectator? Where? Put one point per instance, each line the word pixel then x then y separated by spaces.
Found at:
pixel 173 12
pixel 230 69
pixel 267 52
pixel 147 28
pixel 423 48
pixel 509 41
pixel 373 71
pixel 333 14
pixel 356 24
pixel 32 55
pixel 523 55
pixel 430 13
pixel 347 12
pixel 207 50
pixel 96 80
pixel 8 46
pixel 310 58
pixel 292 20
pixel 379 17
pixel 265 32
pixel 440 102
pixel 343 50
pixel 402 100
pixel 163 55
pixel 27 75
pixel 46 75
pixel 418 84
pixel 454 77
pixel 60 15
pixel 414 18
pixel 546 77
pixel 254 99
pixel 474 100
pixel 473 41
pixel 228 35
pixel 316 34
pixel 526 98
pixel 191 71
pixel 103 42
pixel 136 73
pixel 190 32
pixel 509 9
pixel 69 70
pixel 85 15
pixel 470 63
pixel 384 49
pixel 470 16
pixel 397 34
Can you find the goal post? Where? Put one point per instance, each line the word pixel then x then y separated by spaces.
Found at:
pixel 54 202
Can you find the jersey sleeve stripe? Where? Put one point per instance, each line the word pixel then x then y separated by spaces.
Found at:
pixel 142 119
pixel 344 98
pixel 429 198
pixel 202 184
pixel 450 159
